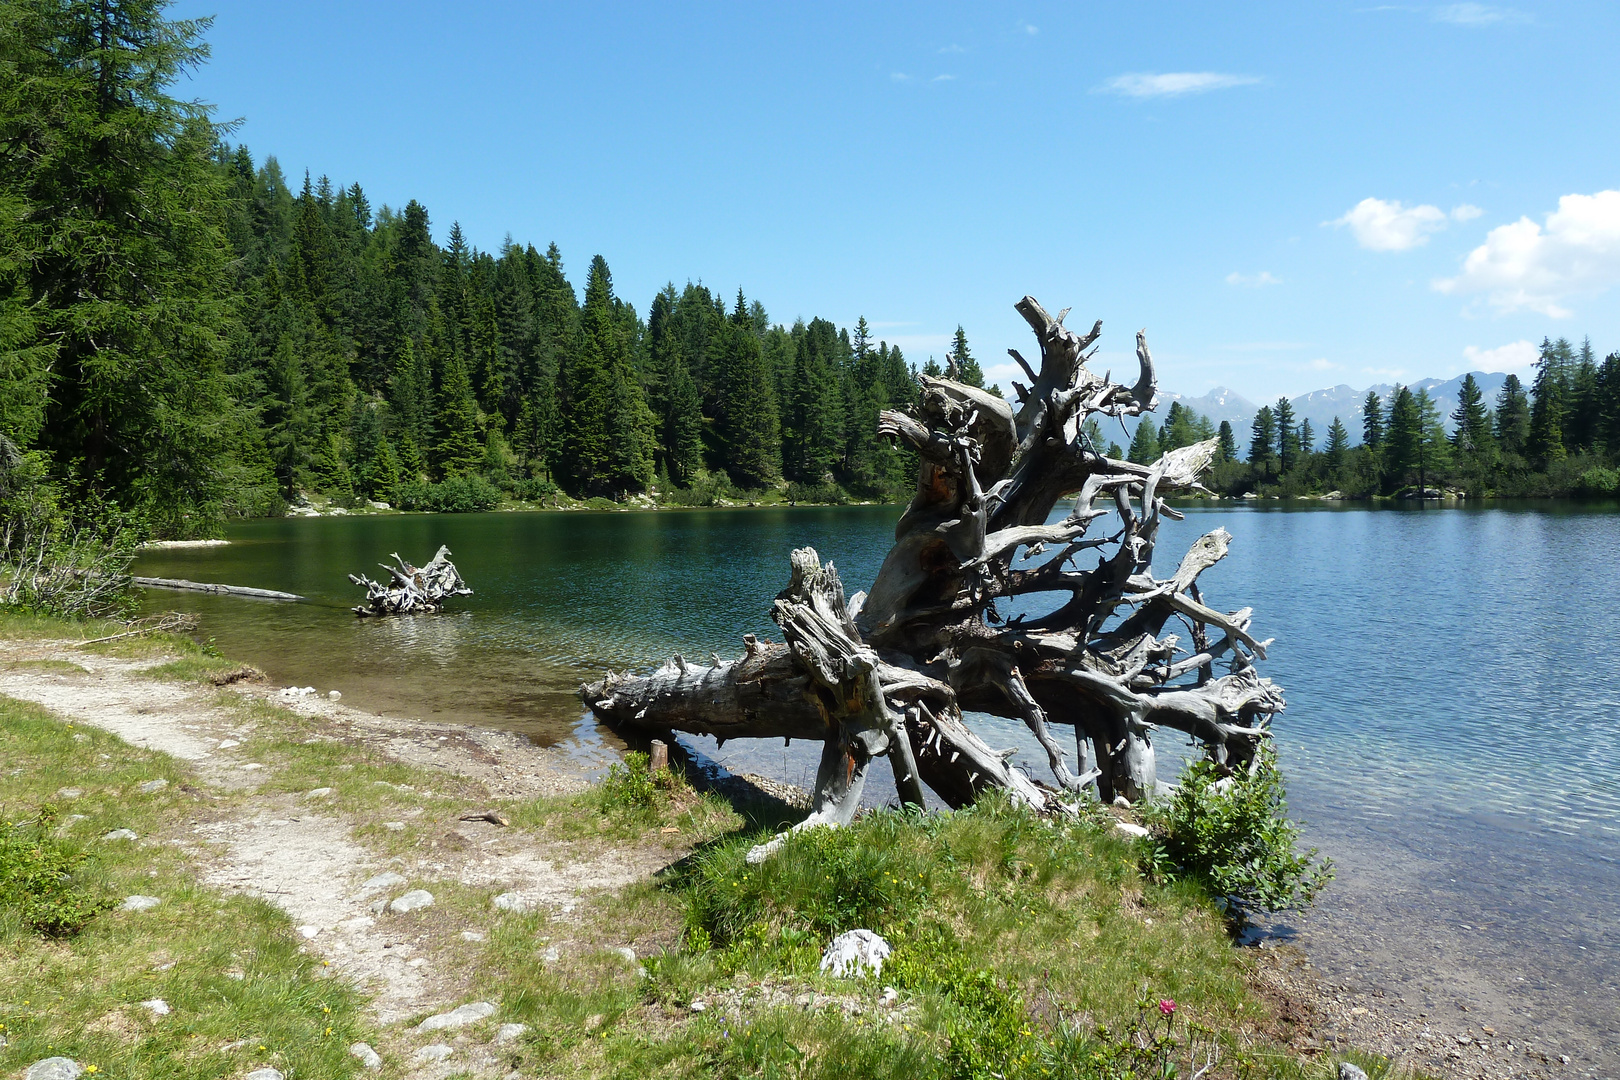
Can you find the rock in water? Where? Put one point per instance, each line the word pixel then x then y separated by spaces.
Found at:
pixel 854 953
pixel 465 1014
pixel 56 1068
pixel 368 1057
pixel 414 900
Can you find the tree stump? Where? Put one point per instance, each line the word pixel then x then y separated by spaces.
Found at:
pixel 411 589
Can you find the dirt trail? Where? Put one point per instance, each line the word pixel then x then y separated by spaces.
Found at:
pixel 303 857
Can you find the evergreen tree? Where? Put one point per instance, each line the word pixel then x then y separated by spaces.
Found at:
pixel 1372 422
pixel 813 425
pixel 1263 439
pixel 1307 439
pixel 961 365
pixel 1337 449
pixel 290 427
pixel 116 244
pixel 1287 436
pixel 1432 442
pixel 748 416
pixel 1145 448
pixel 1472 434
pixel 456 448
pixel 1403 443
pixel 1512 416
pixel 1548 404
pixel 607 429
pixel 1226 446
pixel 1585 421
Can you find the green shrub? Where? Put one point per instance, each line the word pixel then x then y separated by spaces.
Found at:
pixel 468 494
pixel 41 878
pixel 534 489
pixel 828 494
pixel 1232 834
pixel 56 558
pixel 704 491
pixel 1598 482
pixel 631 794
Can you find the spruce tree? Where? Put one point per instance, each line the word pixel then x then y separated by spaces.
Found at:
pixel 1512 417
pixel 1287 436
pixel 457 448
pixel 1226 444
pixel 1372 422
pixel 1404 441
pixel 1472 432
pixel 607 429
pixel 1263 439
pixel 116 237
pixel 1337 447
pixel 1548 404
pixel 748 416
pixel 963 367
pixel 1145 448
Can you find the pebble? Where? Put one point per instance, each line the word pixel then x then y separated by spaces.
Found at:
pixel 334 695
pixel 508 1032
pixel 464 1014
pixel 385 880
pixel 414 900
pixel 265 1073
pixel 227 744
pixel 309 931
pixel 551 955
pixel 368 1057
pixel 394 826
pixel 890 996
pixel 120 834
pixel 511 901
pixel 1348 1071
pixel 56 1068
pixel 854 953
pixel 472 935
pixel 435 1052
pixel 321 793
pixel 698 1006
pixel 158 1006
pixel 1130 829
pixel 139 903
pixel 69 793
pixel 251 766
pixel 152 787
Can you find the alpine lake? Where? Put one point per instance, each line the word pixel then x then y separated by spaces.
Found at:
pixel 1452 737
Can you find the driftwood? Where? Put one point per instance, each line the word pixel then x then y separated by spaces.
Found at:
pixel 889 673
pixel 412 589
pixel 203 586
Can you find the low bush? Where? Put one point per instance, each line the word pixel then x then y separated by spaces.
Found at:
pixel 1598 482
pixel 703 491
pixel 468 494
pixel 42 878
pixel 1229 831
pixel 827 494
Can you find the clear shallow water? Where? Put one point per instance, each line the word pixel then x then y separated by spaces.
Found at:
pixel 1452 737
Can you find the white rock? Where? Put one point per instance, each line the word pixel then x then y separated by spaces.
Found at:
pixel 508 1032
pixel 265 1073
pixel 1347 1071
pixel 414 900
pixel 628 953
pixel 334 695
pixel 699 1005
pixel 394 826
pixel 227 744
pixel 56 1068
pixel 890 996
pixel 511 901
pixel 385 880
pixel 465 1014
pixel 158 1006
pixel 309 931
pixel 140 903
pixel 1130 829
pixel 319 793
pixel 68 793
pixel 252 766
pixel 853 953
pixel 551 955
pixel 152 787
pixel 472 935
pixel 436 1052
pixel 119 834
pixel 368 1057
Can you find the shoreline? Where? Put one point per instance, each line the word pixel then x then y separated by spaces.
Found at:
pixel 120 695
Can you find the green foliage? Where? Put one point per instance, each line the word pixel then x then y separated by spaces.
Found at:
pixel 825 494
pixel 469 494
pixel 631 794
pixel 704 491
pixel 43 878
pixel 58 558
pixel 1230 832
pixel 1599 482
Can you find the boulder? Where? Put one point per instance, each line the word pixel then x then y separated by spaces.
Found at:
pixel 854 953
pixel 458 1017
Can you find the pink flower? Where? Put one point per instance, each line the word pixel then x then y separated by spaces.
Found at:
pixel 1167 1007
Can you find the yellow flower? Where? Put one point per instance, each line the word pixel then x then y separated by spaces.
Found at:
pixel 88 1068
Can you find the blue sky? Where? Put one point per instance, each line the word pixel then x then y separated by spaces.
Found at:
pixel 1286 195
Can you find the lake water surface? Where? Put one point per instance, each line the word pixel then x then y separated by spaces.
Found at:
pixel 1452 738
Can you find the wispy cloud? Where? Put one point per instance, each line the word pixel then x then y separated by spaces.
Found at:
pixel 1387 225
pixel 1322 363
pixel 1264 346
pixel 899 76
pixel 948 50
pixel 942 78
pixel 1147 84
pixel 1028 29
pixel 1253 281
pixel 1477 15
pixel 1514 356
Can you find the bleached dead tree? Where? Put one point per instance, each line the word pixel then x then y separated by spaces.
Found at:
pixel 890 672
pixel 412 589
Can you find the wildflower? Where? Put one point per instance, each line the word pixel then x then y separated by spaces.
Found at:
pixel 91 1069
pixel 1167 1007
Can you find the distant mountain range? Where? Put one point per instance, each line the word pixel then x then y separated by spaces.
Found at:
pixel 1318 406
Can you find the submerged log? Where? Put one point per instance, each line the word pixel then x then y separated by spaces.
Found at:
pixel 890 674
pixel 204 586
pixel 411 589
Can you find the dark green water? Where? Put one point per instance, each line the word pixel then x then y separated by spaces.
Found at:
pixel 1452 737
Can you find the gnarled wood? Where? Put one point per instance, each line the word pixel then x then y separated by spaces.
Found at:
pixel 892 672
pixel 412 589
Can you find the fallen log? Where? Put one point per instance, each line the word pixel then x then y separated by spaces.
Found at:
pixel 411 589
pixel 890 674
pixel 208 587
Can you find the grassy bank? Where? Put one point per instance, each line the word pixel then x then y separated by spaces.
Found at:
pixel 1021 947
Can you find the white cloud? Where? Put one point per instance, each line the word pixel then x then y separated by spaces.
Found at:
pixel 1322 363
pixel 943 78
pixel 1146 84
pixel 1028 29
pixel 1465 212
pixel 1525 266
pixel 1384 372
pixel 951 49
pixel 1381 225
pixel 899 76
pixel 1253 281
pixel 1514 356
pixel 1477 15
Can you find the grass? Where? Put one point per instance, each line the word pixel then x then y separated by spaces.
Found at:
pixel 79 996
